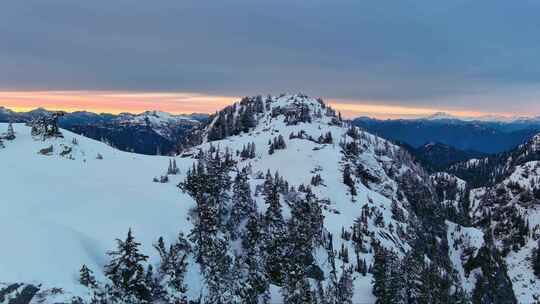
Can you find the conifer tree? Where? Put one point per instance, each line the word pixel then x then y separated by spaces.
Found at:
pixel 208 183
pixel 86 277
pixel 255 285
pixel 348 180
pixel 346 286
pixel 274 230
pixel 10 134
pixel 380 268
pixel 126 270
pixel 536 261
pixel 173 264
pixel 242 203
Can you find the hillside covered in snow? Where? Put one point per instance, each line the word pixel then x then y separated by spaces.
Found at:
pixel 272 200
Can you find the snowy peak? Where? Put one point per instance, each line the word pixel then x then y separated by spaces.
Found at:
pixel 440 115
pixel 259 112
pixel 154 118
pixel 484 118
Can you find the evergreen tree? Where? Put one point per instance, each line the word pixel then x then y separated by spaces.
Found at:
pixel 494 286
pixel 86 277
pixel 380 269
pixel 274 231
pixel 255 284
pixel 345 286
pixel 10 134
pixel 348 180
pixel 125 270
pixel 304 230
pixel 413 267
pixel 173 264
pixel 208 183
pixel 242 203
pixel 155 291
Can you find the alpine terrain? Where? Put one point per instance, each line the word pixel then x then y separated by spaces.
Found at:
pixel 273 199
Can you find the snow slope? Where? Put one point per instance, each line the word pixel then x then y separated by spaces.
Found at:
pixel 57 213
pixel 62 211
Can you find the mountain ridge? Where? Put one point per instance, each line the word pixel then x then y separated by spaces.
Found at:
pixel 278 163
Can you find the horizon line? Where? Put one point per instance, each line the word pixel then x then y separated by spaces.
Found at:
pixel 182 103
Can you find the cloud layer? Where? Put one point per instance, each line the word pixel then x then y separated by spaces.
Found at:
pixel 476 55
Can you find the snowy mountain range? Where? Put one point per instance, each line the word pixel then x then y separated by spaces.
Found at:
pixel 150 132
pixel 483 118
pixel 271 200
pixel 486 136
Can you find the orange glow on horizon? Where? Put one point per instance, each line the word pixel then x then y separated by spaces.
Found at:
pixel 115 102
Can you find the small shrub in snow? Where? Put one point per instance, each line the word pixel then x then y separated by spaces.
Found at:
pixel 46 151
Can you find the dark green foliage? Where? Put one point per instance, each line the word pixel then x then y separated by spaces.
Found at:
pixel 86 277
pixel 208 183
pixel 10 134
pixel 274 231
pixel 277 144
pixel 493 285
pixel 348 180
pixel 243 204
pixel 126 271
pixel 174 262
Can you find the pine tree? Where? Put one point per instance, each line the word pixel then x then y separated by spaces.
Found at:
pixel 208 183
pixel 274 230
pixel 412 274
pixel 303 233
pixel 255 284
pixel 347 179
pixel 396 288
pixel 380 268
pixel 126 270
pixel 174 263
pixel 242 203
pixel 346 286
pixel 86 277
pixel 10 134
pixel 172 169
pixel 155 292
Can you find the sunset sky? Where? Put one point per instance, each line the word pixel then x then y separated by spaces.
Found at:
pixel 182 103
pixel 376 57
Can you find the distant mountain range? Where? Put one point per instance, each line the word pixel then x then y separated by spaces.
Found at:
pixel 486 136
pixel 483 118
pixel 150 132
pixel 455 138
pixel 437 156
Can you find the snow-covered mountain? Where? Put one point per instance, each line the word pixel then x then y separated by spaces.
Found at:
pixel 282 201
pixel 502 200
pixel 482 118
pixel 150 132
